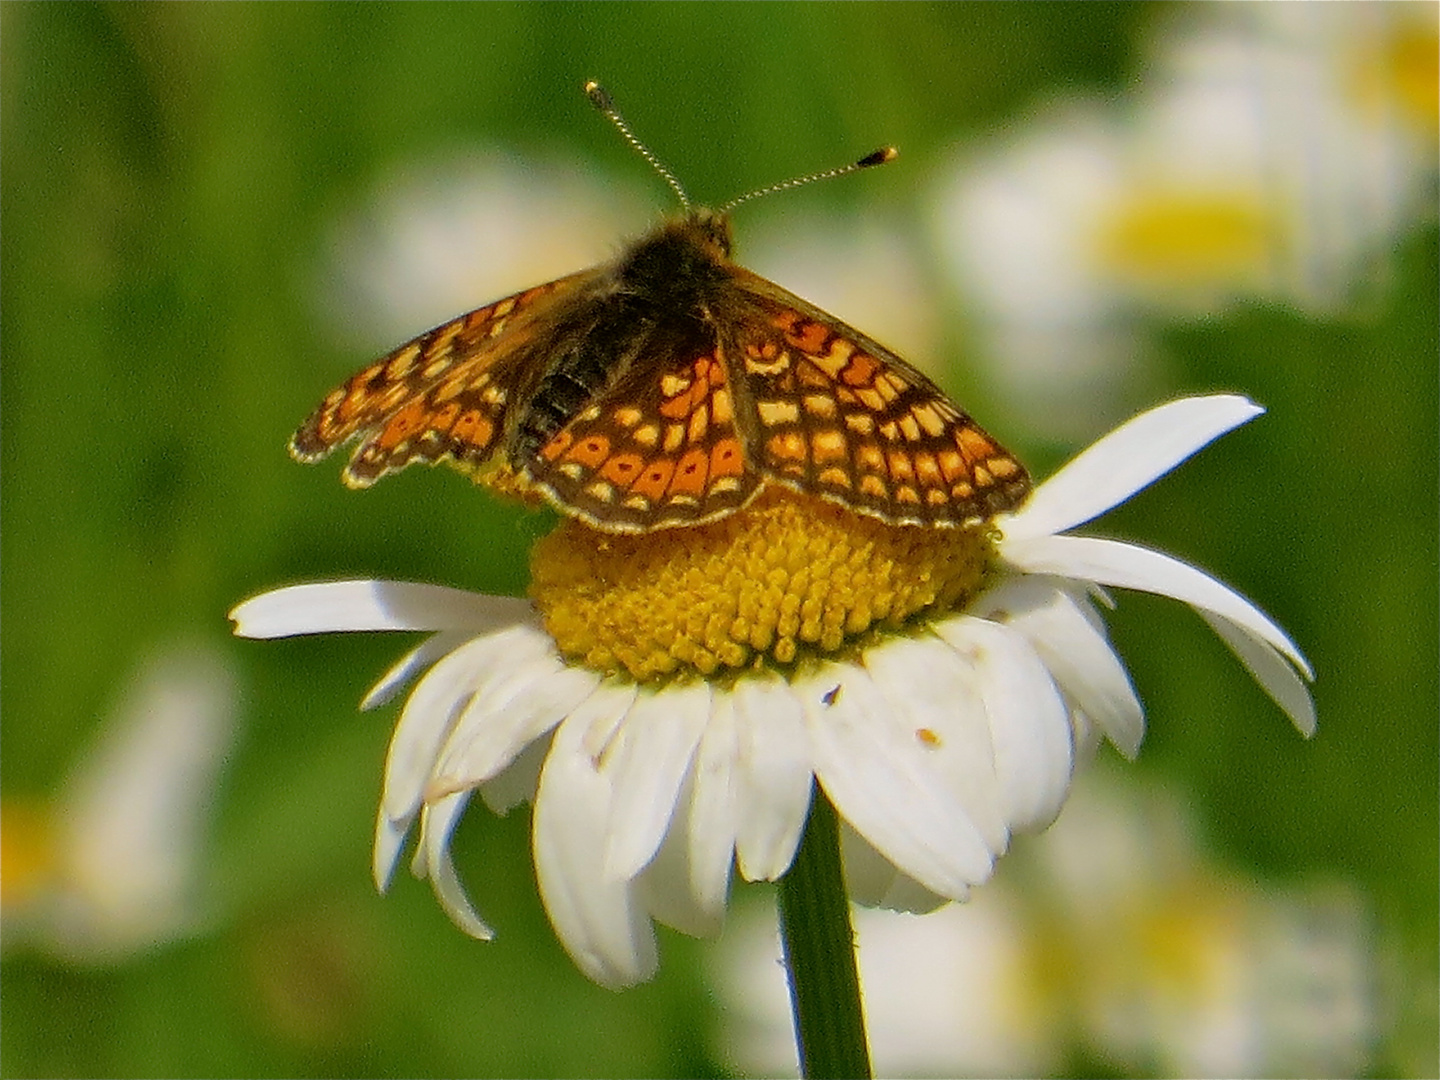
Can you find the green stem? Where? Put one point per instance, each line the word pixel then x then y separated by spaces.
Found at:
pixel 819 946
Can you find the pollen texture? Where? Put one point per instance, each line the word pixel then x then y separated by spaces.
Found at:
pixel 788 577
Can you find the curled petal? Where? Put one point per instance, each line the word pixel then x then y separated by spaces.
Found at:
pixel 1126 566
pixel 335 606
pixel 1125 461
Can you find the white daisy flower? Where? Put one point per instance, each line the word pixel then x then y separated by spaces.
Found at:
pixel 114 864
pixel 668 698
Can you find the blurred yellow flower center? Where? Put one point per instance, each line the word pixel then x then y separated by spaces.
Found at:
pixel 1180 239
pixel 787 577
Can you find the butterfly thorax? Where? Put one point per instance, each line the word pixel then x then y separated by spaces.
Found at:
pixel 655 302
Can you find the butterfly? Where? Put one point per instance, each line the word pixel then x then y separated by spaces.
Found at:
pixel 668 387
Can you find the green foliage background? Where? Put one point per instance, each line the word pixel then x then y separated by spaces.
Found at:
pixel 167 173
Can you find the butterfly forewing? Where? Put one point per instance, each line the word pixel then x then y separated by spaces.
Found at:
pixel 441 397
pixel 841 417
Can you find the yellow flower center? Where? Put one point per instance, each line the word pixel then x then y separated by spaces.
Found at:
pixel 785 578
pixel 1186 239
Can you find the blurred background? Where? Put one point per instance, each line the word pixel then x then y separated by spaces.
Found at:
pixel 212 214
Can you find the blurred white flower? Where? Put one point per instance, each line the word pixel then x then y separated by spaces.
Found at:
pixel 1111 934
pixel 1272 153
pixel 446 236
pixel 113 865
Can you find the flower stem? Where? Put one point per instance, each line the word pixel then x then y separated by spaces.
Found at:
pixel 819 946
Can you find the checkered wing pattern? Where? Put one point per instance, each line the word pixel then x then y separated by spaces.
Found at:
pixel 838 416
pixel 442 397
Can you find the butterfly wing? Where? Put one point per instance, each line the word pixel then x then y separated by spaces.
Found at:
pixel 658 449
pixel 839 416
pixel 442 397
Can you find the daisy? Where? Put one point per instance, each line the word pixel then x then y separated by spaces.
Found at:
pixel 114 865
pixel 667 700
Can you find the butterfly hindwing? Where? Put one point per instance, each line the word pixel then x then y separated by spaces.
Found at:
pixel 659 449
pixel 841 417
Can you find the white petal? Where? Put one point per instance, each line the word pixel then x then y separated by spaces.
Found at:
pixel 518 781
pixel 647 763
pixel 411 664
pixel 1029 724
pixel 1071 641
pixel 595 916
pixel 433 708
pixel 1123 462
pixel 667 884
pixel 933 694
pixel 1126 566
pixel 389 842
pixel 773 777
pixel 1275 676
pixel 710 828
pixel 529 699
pixel 437 824
pixel 333 606
pixel 873 880
pixel 878 774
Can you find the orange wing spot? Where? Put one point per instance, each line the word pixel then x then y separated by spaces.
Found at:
pixel 787 446
pixel 727 459
pixel 674 437
pixel 872 485
pixel 828 445
pixel 911 429
pixel 711 370
pixel 860 423
pixel 871 399
pixel 590 451
pixel 929 419
pixel 478 318
pixel 835 477
pixel 952 466
pixel 647 436
pixel 805 335
pixel 927 469
pixel 443 417
pixel 869 457
pixel 628 416
pixel 963 491
pixel 622 469
pixel 860 371
pixel 1004 467
pixel 690 474
pixel 901 467
pixel 402 425
pixel 555 447
pixel 974 445
pixel 654 480
pixel 935 497
pixel 983 479
pixel 907 494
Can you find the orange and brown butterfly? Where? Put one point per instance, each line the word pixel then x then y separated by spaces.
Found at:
pixel 667 388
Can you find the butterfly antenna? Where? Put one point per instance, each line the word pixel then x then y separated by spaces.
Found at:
pixel 601 99
pixel 879 157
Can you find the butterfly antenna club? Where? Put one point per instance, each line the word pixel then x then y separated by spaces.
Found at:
pixel 878 157
pixel 601 99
